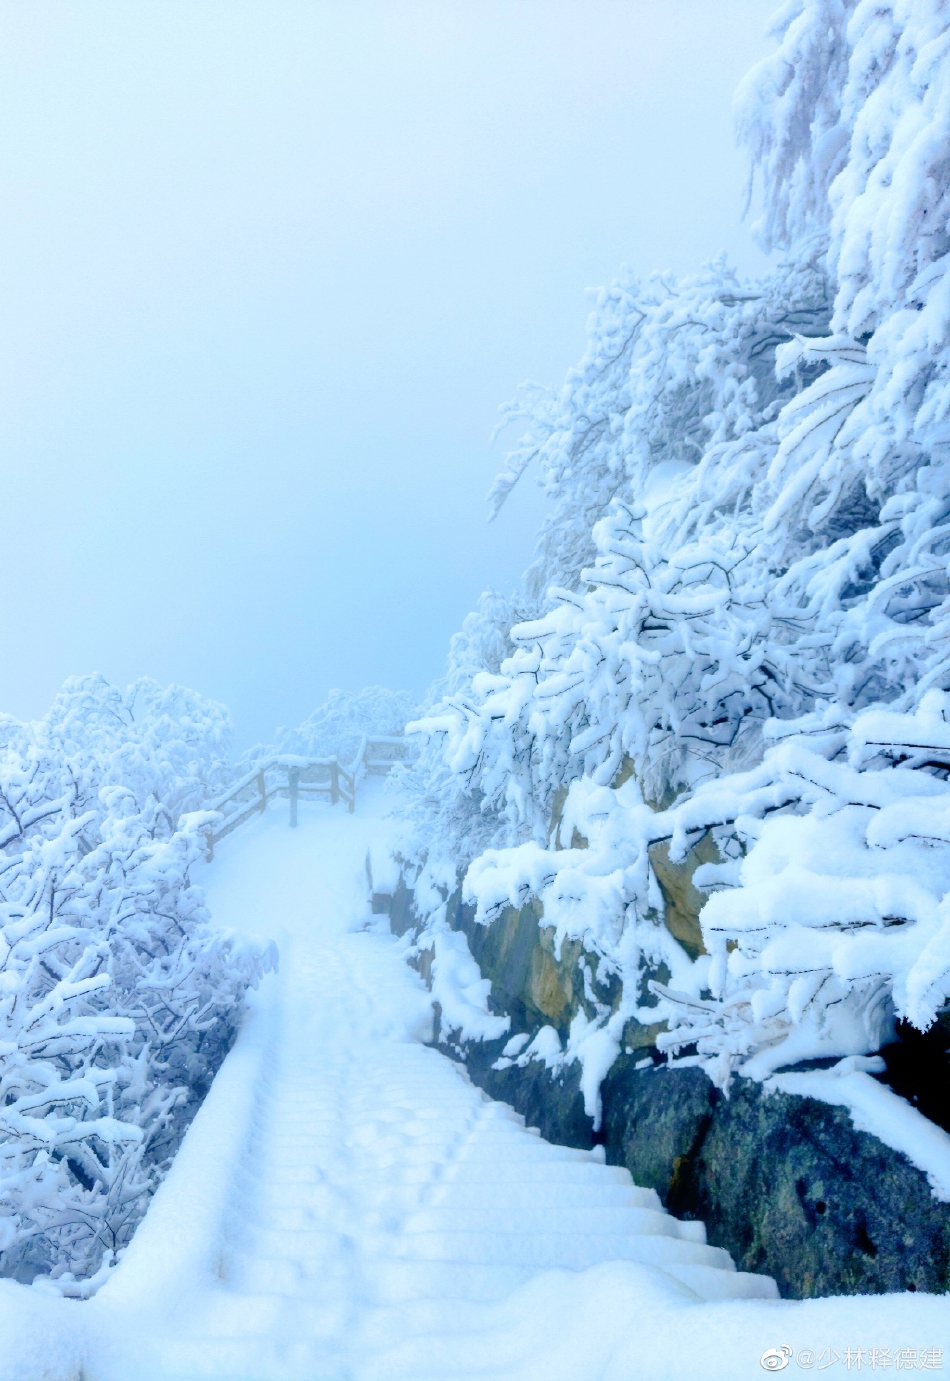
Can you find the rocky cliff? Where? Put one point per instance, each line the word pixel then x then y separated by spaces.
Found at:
pixel 786 1184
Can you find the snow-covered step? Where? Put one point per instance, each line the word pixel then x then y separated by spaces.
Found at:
pixel 560 1250
pixel 713 1283
pixel 511 1196
pixel 514 1170
pixel 374 1184
pixel 523 1218
pixel 291 1216
pixel 298 1244
pixel 518 1147
pixel 398 1280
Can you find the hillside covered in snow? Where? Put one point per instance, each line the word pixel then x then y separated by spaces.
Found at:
pixel 669 854
pixel 736 626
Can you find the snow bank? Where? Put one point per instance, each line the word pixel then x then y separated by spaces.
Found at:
pixel 460 990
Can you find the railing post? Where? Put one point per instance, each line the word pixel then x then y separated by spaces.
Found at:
pixel 334 782
pixel 262 788
pixel 293 777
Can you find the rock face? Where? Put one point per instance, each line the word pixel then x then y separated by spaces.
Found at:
pixel 785 1184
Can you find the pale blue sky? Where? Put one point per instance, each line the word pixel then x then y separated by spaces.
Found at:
pixel 267 271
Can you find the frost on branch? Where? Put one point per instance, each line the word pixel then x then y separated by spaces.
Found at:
pixel 118 999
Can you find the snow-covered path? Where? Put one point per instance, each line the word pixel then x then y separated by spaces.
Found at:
pixel 347 1205
pixel 376 1188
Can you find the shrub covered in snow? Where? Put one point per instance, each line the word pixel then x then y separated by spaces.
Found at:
pixel 830 910
pixel 831 915
pixel 117 996
pixel 743 587
pixel 336 727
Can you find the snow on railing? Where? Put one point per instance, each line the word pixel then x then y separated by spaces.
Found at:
pixel 378 755
pixel 290 777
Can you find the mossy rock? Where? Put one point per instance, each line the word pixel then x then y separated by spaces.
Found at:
pixel 516 952
pixel 786 1184
pixel 684 901
pixel 549 1100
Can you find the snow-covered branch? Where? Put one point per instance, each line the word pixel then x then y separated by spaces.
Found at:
pixel 118 998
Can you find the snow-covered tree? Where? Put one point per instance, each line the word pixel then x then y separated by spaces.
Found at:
pixel 118 999
pixel 750 485
pixel 336 727
pixel 691 402
pixel 672 367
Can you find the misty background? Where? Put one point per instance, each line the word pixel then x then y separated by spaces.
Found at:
pixel 267 272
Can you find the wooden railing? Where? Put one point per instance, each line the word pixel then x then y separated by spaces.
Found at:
pixel 291 778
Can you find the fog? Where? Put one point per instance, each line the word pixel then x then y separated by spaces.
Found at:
pixel 267 272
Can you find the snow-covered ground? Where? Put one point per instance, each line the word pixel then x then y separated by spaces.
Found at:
pixel 346 1204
